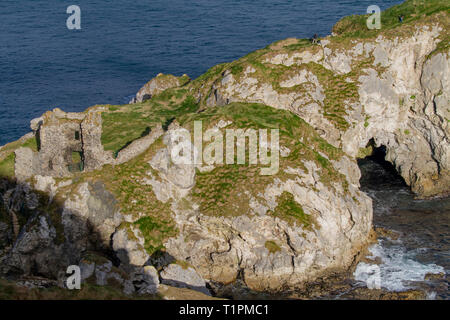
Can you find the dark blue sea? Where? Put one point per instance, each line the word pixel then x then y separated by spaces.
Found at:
pixel 123 44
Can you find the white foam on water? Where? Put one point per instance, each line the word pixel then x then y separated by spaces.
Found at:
pixel 397 271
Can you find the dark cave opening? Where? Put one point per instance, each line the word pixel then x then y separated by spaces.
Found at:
pixel 377 172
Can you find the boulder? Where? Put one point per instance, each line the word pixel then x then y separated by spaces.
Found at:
pixel 146 280
pixel 183 277
pixel 159 84
pixel 129 247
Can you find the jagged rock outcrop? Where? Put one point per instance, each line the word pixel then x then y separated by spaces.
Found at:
pixel 57 231
pixel 400 98
pixel 222 249
pixel 159 84
pixel 129 247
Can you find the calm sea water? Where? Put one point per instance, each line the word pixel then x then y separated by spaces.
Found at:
pixel 123 44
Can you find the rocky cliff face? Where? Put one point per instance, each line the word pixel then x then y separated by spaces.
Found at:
pixel 226 225
pixel 389 90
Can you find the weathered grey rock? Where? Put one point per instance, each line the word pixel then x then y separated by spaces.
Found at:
pixel 146 280
pixel 403 100
pixel 24 163
pixel 94 156
pixel 4 236
pixel 102 272
pixel 87 269
pixel 49 243
pixel 35 250
pixel 177 276
pixel 130 251
pixel 176 178
pixel 157 85
pixel 91 213
pixel 62 138
pixel 220 248
pixel 58 142
pixel 35 124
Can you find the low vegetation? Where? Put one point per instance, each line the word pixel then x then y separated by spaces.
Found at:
pixel 272 246
pixel 227 189
pixel 7 156
pixel 135 197
pixel 289 210
pixel 124 124
pixel 413 11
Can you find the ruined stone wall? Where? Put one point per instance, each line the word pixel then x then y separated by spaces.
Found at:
pixel 67 142
pixel 71 142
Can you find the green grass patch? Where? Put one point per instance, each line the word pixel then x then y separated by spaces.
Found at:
pixel 134 197
pixel 237 69
pixel 153 229
pixel 224 191
pixel 122 127
pixel 8 159
pixel 7 166
pixel 292 212
pixel 365 152
pixel 413 11
pixel 338 93
pixel 272 246
pixel 322 160
pixel 206 79
pixel 366 121
pixel 302 43
pixel 31 143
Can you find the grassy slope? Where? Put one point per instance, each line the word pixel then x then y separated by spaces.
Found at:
pixel 134 197
pixel 7 161
pixel 221 192
pixel 338 91
pixel 124 124
pixel 413 11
